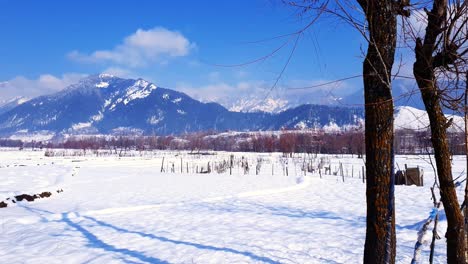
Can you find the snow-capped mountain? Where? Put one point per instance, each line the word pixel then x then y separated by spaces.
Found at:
pixel 105 104
pixel 407 117
pixel 12 103
pixel 269 105
pixel 277 100
pixel 263 101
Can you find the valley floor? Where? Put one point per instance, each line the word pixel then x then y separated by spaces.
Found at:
pixel 125 210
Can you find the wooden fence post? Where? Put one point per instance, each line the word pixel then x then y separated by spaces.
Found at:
pixel 363 175
pixel 162 165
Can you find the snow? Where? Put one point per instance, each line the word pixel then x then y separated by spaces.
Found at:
pixel 136 95
pixel 357 126
pixel 105 75
pixel 37 136
pixel 107 102
pixel 181 112
pixel 13 121
pixel 102 85
pixel 301 125
pixel 98 117
pixel 154 120
pixel 123 209
pixel 46 120
pixel 331 127
pixel 139 90
pixel 411 118
pixel 118 101
pixel 126 131
pixel 407 117
pixel 177 100
pixel 15 100
pixel 22 100
pixel 269 105
pixel 82 125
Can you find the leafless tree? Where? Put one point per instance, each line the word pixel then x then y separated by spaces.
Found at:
pixel 441 60
pixel 377 22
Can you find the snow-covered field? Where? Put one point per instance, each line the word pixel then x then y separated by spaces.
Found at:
pixel 125 210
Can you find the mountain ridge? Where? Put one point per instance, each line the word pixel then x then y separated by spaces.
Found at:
pixel 106 104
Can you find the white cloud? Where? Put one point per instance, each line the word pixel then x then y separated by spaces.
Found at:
pixel 21 86
pixel 141 48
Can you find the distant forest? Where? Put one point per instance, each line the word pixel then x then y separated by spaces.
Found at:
pixel 286 141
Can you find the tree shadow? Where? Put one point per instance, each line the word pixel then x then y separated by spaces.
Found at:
pixel 281 211
pixel 185 243
pixel 416 226
pixel 300 213
pixel 94 242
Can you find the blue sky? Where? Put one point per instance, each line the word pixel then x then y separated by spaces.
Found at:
pixel 47 45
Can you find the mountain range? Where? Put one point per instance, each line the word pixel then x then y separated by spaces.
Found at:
pixel 106 104
pixel 258 97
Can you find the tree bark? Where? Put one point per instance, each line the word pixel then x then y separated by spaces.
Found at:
pixel 380 244
pixel 465 201
pixel 424 72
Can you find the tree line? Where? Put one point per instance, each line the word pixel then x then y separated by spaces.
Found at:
pixel 285 141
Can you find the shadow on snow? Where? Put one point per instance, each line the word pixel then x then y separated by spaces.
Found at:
pixel 94 242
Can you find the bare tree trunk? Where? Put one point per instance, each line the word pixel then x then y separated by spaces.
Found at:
pixel 438 123
pixel 465 201
pixel 380 245
pixel 424 72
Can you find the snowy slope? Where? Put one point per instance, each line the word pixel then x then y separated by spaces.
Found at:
pixel 411 118
pixel 10 104
pixel 274 102
pixel 269 105
pixel 123 210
